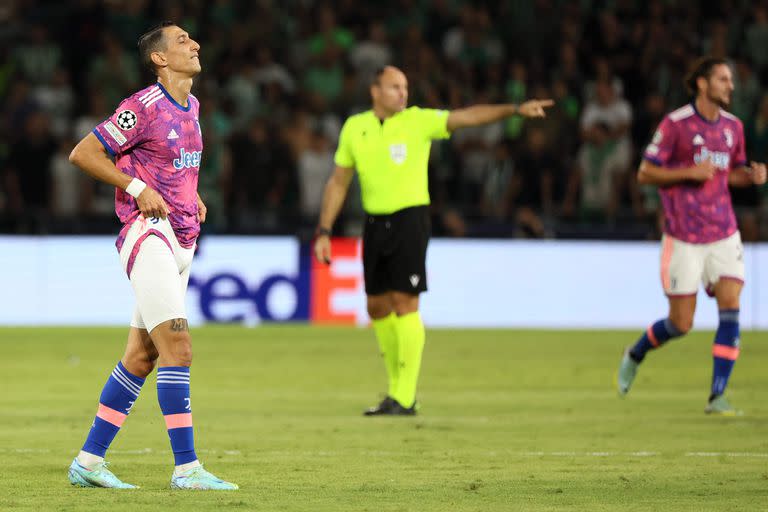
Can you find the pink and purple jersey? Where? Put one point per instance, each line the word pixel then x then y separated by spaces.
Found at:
pixel 155 139
pixel 698 213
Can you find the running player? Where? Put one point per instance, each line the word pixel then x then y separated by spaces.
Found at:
pixel 697 151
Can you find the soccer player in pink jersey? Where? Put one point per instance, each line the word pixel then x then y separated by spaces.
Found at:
pixel 697 151
pixel 150 150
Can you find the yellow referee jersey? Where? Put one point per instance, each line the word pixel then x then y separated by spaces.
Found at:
pixel 391 157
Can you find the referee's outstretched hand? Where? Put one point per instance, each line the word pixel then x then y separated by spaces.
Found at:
pixel 323 249
pixel 534 108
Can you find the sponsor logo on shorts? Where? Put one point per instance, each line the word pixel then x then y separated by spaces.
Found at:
pixel 414 280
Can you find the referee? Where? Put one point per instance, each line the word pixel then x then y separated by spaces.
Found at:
pixel 389 147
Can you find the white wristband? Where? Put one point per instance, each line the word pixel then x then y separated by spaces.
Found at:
pixel 135 187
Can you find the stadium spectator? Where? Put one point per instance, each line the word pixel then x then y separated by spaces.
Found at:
pixel 28 174
pixel 270 60
pixel 39 57
pixel 603 161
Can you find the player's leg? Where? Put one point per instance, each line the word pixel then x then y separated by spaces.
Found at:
pixel 116 401
pixel 407 270
pixel 160 290
pixel 678 322
pixel 379 305
pixel 681 270
pixel 411 336
pixel 381 312
pixel 725 267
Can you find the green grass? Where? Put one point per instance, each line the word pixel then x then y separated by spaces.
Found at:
pixel 510 420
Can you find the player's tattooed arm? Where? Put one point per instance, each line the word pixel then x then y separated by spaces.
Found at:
pixel 179 325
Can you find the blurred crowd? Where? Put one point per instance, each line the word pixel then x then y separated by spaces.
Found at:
pixel 280 77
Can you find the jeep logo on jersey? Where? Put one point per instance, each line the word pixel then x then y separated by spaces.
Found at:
pixel 188 159
pixel 398 152
pixel 127 120
pixel 719 159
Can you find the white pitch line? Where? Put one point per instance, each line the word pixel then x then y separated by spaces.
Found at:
pixel 304 453
pixel 24 450
pixel 726 454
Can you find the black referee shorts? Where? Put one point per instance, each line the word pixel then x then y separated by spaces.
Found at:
pixel 395 251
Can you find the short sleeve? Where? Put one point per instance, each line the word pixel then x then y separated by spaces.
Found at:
pixel 344 157
pixel 432 122
pixel 660 150
pixel 739 156
pixel 125 128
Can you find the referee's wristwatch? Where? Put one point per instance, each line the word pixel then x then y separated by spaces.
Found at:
pixel 321 231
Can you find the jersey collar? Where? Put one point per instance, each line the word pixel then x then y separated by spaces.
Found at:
pixel 693 104
pixel 173 101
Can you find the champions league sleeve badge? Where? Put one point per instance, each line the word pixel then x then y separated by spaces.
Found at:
pixel 127 120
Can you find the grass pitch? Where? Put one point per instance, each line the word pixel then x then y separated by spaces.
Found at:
pixel 510 420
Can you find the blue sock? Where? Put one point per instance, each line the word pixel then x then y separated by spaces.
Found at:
pixel 174 398
pixel 116 400
pixel 655 336
pixel 725 350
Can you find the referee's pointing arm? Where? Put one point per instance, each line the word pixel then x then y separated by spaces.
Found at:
pixel 389 92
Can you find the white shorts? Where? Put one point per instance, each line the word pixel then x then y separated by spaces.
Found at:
pixel 684 265
pixel 158 268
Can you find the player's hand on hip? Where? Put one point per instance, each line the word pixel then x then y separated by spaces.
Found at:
pixel 202 210
pixel 151 204
pixel 323 249
pixel 534 108
pixel 704 171
pixel 759 173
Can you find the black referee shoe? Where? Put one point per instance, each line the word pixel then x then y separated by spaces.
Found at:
pixel 391 407
pixel 399 410
pixel 384 407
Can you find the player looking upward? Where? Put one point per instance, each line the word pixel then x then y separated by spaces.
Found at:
pixel 155 140
pixel 697 151
pixel 389 148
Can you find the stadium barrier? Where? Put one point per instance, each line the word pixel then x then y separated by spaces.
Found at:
pixel 472 283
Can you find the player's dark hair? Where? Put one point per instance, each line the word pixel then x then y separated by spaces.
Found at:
pixel 701 68
pixel 152 41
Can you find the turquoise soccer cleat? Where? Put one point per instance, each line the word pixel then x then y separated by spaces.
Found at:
pixel 199 479
pixel 720 406
pixel 98 476
pixel 626 374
